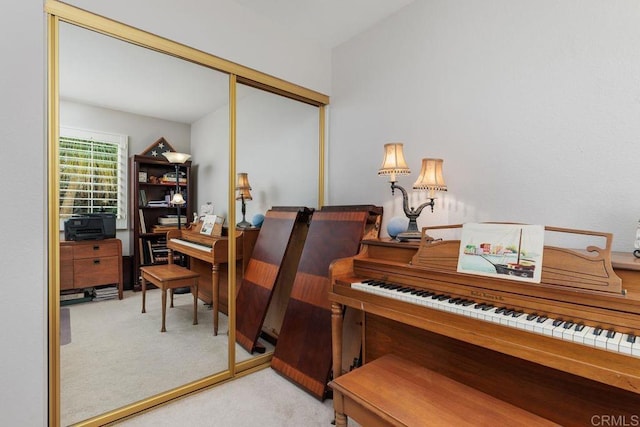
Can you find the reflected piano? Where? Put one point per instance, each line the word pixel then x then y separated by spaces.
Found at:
pixel 567 349
pixel 209 257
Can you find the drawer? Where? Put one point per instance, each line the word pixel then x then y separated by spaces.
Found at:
pixel 66 267
pixel 96 271
pixel 95 250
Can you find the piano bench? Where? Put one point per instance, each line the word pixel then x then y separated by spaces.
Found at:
pixel 170 276
pixel 391 391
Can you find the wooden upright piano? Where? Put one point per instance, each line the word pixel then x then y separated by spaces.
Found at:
pixel 209 257
pixel 566 349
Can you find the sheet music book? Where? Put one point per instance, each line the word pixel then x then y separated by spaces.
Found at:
pixel 212 225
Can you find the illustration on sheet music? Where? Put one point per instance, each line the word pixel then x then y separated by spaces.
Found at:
pixel 507 251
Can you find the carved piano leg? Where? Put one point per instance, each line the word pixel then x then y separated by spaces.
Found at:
pixel 215 279
pixel 338 407
pixel 336 338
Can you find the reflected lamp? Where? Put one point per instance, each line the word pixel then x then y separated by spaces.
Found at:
pixel 243 193
pixel 430 179
pixel 177 159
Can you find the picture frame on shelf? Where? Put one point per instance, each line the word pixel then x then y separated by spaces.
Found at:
pixel 142 176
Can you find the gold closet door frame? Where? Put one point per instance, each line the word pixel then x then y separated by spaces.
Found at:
pixel 60 12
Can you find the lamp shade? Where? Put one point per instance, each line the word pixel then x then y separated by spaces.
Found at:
pixel 174 157
pixel 431 177
pixel 393 163
pixel 178 199
pixel 243 186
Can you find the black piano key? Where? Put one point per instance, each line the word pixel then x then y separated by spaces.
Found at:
pixel 468 302
pixel 518 313
pixel 501 310
pixel 568 324
pixel 442 297
pixel 541 319
pixel 508 312
pixel 532 316
pixel 558 322
pixel 597 331
pixel 611 333
pixel 479 305
pixel 631 338
pixel 487 307
pixel 579 327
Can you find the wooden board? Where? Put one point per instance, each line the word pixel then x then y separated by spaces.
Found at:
pixel 303 351
pixel 262 272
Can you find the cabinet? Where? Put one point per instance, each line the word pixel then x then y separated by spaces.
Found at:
pixel 152 185
pixel 88 263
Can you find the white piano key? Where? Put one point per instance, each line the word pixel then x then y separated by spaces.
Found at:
pixel 495 314
pixel 614 343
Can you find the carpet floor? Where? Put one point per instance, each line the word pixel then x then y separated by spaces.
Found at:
pixel 118 355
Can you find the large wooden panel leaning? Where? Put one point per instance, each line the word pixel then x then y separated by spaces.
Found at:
pixel 264 271
pixel 90 263
pixel 303 351
pixel 567 378
pixel 208 256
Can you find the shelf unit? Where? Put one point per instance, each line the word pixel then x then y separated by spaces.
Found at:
pixel 146 185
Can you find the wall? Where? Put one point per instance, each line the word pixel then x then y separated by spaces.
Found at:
pixel 533 106
pixel 142 131
pixel 23 360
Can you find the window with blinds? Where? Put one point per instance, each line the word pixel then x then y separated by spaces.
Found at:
pixel 92 174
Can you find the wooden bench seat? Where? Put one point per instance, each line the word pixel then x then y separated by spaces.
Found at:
pixel 391 391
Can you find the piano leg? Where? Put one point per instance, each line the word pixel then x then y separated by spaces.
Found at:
pixel 336 338
pixel 194 292
pixel 215 279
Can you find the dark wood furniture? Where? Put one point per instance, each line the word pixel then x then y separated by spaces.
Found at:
pixel 169 276
pixel 88 263
pixel 272 263
pixel 303 351
pixel 147 242
pixel 553 377
pixel 209 256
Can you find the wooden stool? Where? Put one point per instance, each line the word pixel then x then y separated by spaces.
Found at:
pixel 170 276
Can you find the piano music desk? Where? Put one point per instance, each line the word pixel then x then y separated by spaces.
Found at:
pixel 170 276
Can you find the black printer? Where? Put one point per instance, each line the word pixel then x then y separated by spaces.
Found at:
pixel 96 226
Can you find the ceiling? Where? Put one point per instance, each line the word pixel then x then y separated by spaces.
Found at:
pixel 101 71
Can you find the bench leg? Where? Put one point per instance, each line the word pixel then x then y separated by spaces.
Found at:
pixel 164 309
pixel 171 290
pixel 194 291
pixel 144 293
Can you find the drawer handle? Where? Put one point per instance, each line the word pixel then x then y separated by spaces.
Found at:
pixel 96 261
pixel 96 247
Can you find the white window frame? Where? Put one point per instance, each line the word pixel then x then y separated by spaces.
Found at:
pixel 123 154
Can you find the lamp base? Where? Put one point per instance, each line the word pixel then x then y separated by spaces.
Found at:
pixel 407 236
pixel 243 224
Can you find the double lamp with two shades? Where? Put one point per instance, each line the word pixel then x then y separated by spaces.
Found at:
pixel 430 179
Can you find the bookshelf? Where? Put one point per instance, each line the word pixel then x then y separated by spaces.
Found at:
pixel 152 186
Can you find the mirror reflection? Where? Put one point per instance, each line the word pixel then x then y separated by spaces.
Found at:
pixel 111 353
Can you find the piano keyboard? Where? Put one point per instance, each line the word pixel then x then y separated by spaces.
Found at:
pixel 564 329
pixel 198 246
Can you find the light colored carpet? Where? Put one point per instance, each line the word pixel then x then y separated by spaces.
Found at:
pixel 118 355
pixel 263 398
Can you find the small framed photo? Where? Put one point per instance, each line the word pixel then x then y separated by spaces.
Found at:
pixel 142 176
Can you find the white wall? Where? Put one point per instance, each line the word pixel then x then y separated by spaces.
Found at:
pixel 23 359
pixel 142 131
pixel 533 105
